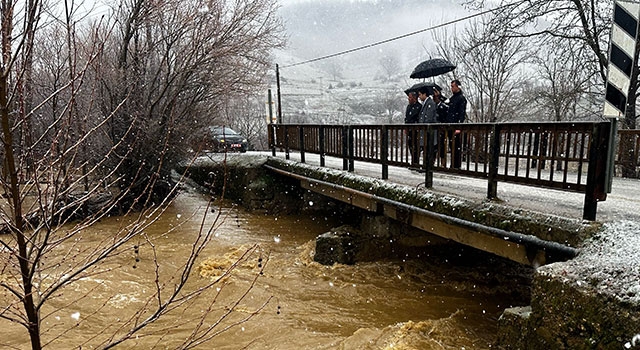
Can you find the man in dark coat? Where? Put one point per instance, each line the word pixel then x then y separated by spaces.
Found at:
pixel 411 117
pixel 457 104
pixel 456 114
pixel 442 109
pixel 428 115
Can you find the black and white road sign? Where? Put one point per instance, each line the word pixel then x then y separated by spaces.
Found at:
pixel 624 33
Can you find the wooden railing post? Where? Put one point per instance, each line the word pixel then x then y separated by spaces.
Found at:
pixel 351 148
pixel 596 172
pixel 536 149
pixel 301 139
pixel 384 152
pixel 321 141
pixel 345 147
pixel 272 139
pixel 429 151
pixel 494 162
pixel 286 142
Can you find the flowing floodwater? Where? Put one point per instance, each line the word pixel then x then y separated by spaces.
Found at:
pixel 445 299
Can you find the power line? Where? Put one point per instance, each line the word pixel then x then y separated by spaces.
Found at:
pixel 397 37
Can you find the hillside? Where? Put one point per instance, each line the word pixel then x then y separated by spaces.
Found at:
pixel 311 95
pixel 356 87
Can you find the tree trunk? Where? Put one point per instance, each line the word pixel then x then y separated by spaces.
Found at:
pixel 11 172
pixel 18 220
pixel 627 157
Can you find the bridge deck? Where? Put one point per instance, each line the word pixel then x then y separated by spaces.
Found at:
pixel 623 203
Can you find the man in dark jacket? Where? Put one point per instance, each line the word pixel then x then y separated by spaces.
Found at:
pixel 442 109
pixel 428 115
pixel 456 114
pixel 457 104
pixel 411 117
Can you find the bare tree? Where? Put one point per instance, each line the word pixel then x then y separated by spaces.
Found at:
pixel 334 67
pixel 563 81
pixel 390 65
pixel 585 21
pixel 89 131
pixel 576 20
pixel 490 69
pixel 176 59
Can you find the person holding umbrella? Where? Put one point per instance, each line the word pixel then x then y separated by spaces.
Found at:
pixel 432 68
pixel 428 111
pixel 412 116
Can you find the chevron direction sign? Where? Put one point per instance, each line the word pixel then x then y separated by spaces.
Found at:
pixel 624 33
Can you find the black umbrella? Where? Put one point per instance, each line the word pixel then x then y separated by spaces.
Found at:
pixel 429 86
pixel 432 68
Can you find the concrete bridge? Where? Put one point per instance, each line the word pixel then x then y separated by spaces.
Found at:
pixel 541 168
pixel 550 176
pixel 589 298
pixel 529 225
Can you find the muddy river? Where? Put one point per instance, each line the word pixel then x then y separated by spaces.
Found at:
pixel 443 299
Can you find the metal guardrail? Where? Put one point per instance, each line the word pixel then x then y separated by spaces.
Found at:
pixel 562 156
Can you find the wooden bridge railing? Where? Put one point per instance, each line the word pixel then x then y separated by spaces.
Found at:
pixel 563 156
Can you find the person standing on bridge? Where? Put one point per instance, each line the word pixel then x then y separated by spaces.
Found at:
pixel 411 117
pixel 442 109
pixel 428 110
pixel 456 114
pixel 428 114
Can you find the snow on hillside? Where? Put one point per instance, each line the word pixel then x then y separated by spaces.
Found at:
pixel 355 88
pixel 311 95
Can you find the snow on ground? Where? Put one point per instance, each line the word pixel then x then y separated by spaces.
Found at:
pixel 609 262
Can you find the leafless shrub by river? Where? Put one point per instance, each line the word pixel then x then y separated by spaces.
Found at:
pixel 110 281
pixel 97 103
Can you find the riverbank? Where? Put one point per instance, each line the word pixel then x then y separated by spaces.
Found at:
pixel 590 302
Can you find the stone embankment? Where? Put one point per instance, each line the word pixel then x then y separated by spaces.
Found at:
pixel 589 302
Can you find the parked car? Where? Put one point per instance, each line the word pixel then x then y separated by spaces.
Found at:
pixel 225 139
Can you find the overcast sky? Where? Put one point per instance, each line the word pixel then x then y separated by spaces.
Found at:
pixel 316 30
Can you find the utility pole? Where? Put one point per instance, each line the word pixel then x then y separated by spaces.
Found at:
pixel 278 93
